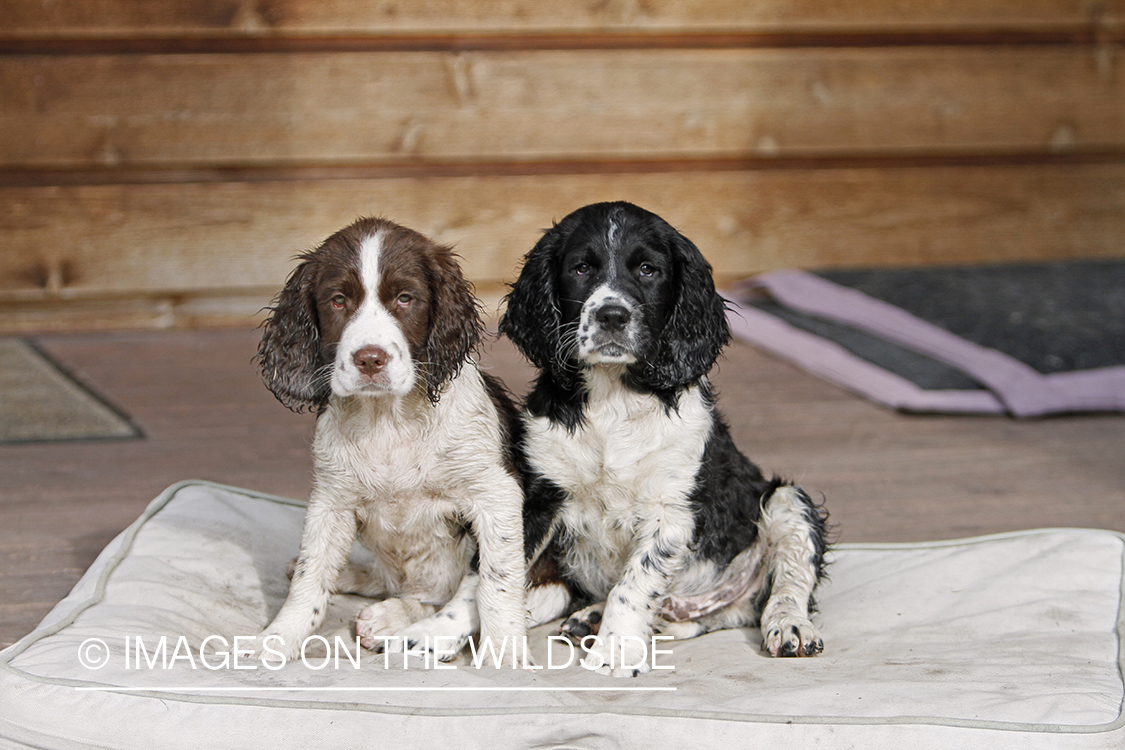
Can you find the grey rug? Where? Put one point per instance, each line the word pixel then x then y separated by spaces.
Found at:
pixel 1024 339
pixel 39 401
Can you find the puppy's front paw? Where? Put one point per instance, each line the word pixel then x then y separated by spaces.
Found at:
pixel 438 637
pixel 377 624
pixel 270 645
pixel 791 636
pixel 614 657
pixel 624 671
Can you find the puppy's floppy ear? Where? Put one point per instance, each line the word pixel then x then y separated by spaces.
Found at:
pixel 289 352
pixel 696 329
pixel 532 319
pixel 455 324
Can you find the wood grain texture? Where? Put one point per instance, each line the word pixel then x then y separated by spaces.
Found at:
pixel 156 250
pixel 383 107
pixel 35 18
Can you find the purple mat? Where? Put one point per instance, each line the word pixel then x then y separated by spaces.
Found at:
pixel 1007 385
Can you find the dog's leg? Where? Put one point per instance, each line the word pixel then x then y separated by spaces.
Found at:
pixel 736 614
pixel 443 634
pixel 326 541
pixel 496 517
pixel 730 604
pixel 663 536
pixel 792 528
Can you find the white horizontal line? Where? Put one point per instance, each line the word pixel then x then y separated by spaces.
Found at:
pixel 369 689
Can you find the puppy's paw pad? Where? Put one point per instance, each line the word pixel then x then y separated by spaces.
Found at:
pixel 792 637
pixel 583 623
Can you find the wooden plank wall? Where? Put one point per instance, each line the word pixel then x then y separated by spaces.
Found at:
pixel 163 160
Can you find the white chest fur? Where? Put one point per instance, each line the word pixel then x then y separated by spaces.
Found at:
pixel 409 478
pixel 386 448
pixel 378 452
pixel 631 459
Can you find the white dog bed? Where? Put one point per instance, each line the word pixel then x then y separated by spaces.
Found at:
pixel 1009 641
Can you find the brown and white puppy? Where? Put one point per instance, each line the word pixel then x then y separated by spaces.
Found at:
pixel 412 455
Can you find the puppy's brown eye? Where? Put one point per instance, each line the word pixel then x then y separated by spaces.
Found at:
pixel 647 269
pixel 582 269
pixel 405 300
pixel 339 302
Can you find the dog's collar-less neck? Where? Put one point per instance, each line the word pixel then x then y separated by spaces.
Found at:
pixel 374 407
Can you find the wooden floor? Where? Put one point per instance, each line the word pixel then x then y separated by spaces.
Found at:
pixel 205 415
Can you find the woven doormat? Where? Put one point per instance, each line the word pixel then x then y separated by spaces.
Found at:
pixel 1024 339
pixel 39 401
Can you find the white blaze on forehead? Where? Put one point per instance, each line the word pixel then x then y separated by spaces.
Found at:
pixel 369 267
pixel 611 266
pixel 371 312
pixel 373 325
pixel 611 233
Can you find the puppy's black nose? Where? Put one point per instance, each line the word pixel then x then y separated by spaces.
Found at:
pixel 613 317
pixel 370 359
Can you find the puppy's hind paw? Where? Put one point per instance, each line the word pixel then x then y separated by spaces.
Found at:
pixel 379 622
pixel 583 623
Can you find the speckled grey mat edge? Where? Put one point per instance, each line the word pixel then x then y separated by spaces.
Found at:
pixel 40 401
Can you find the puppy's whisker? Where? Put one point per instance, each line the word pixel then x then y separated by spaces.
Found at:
pixel 568 344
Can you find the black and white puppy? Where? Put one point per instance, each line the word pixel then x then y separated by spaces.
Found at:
pixel 413 449
pixel 635 487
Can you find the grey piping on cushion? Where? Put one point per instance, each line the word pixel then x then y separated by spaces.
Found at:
pixel 116 551
pixel 119 549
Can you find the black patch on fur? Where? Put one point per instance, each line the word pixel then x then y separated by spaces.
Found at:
pixel 727 499
pixel 563 401
pixel 763 596
pixel 684 327
pixel 575 629
pixel 682 332
pixel 817 518
pixel 542 501
pixel 511 426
